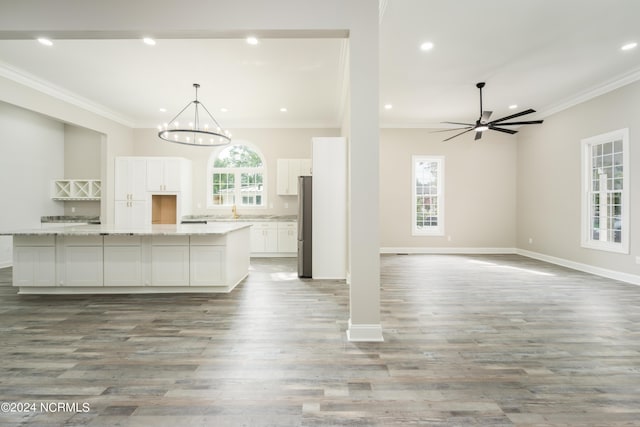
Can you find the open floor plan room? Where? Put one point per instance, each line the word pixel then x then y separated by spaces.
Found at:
pixel 494 340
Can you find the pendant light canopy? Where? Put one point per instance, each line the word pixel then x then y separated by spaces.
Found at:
pixel 192 127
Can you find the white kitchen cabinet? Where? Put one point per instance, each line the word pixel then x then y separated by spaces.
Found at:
pixel 132 213
pixel 164 174
pixel 264 237
pixel 170 261
pixel 131 205
pixel 207 265
pixel 137 179
pixel 130 178
pixel 34 261
pixel 123 261
pixel 287 175
pixel 207 260
pixel 76 189
pixel 81 261
pixel 287 237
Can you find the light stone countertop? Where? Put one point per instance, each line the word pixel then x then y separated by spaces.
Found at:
pixel 241 218
pixel 70 218
pixel 217 228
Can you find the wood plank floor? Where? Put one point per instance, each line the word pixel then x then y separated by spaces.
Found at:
pixel 470 340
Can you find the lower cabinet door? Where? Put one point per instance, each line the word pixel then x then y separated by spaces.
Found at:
pixel 207 265
pixel 287 240
pixel 83 266
pixel 169 265
pixel 122 266
pixel 34 266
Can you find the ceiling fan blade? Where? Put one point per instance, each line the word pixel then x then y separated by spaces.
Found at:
pixel 531 122
pixel 485 116
pixel 478 136
pixel 448 130
pixel 458 123
pixel 513 116
pixel 510 131
pixel 468 130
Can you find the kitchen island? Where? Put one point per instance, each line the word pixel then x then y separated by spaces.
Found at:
pixel 99 259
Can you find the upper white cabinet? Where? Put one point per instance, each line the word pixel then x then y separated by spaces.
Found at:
pixel 137 179
pixel 131 178
pixel 288 172
pixel 164 174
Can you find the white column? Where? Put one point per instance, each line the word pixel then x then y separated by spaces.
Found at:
pixel 364 235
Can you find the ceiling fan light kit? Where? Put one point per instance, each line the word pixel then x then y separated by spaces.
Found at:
pixel 483 124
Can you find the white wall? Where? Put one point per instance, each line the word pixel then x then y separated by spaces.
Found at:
pixel 273 144
pixel 480 190
pixel 549 179
pixel 82 160
pixel 31 156
pixel 115 138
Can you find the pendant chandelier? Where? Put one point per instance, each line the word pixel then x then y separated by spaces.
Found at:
pixel 190 127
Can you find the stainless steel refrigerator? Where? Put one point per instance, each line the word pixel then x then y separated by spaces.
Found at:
pixel 304 226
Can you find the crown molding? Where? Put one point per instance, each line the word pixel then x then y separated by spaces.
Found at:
pixel 593 92
pixel 56 92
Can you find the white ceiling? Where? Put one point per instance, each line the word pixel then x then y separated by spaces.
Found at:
pixel 541 54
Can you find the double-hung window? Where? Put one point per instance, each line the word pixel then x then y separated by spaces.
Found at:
pixel 605 192
pixel 428 195
pixel 237 178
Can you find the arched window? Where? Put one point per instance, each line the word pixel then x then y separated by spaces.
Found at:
pixel 237 177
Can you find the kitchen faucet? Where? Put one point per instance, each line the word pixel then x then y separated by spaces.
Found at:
pixel 234 212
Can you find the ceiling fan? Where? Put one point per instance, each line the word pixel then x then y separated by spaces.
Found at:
pixel 483 123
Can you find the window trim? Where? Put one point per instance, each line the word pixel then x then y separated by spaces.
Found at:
pixel 586 240
pixel 211 169
pixel 439 229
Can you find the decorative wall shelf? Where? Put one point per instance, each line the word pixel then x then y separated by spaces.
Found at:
pixel 76 189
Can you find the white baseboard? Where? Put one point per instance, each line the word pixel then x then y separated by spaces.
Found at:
pixel 446 250
pixel 598 271
pixel 371 332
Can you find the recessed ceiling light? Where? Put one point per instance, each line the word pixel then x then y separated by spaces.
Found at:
pixel 283 110
pixel 163 110
pixel 149 41
pixel 223 110
pixel 252 41
pixel 426 46
pixel 388 106
pixel 45 41
pixel 629 46
pixel 513 106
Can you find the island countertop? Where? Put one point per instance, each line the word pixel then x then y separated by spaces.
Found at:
pixel 217 228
